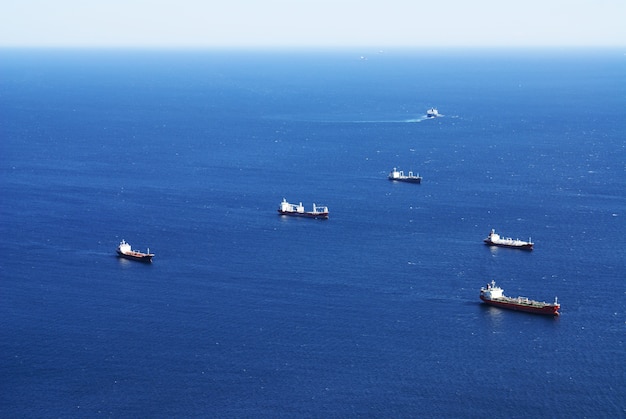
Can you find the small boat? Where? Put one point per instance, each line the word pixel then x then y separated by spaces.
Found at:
pixel 125 251
pixel 298 210
pixel 399 175
pixel 432 113
pixel 494 239
pixel 494 295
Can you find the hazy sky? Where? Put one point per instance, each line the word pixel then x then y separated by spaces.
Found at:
pixel 287 23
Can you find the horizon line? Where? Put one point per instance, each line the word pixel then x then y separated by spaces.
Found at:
pixel 379 48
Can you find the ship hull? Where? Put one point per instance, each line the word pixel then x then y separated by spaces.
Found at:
pixel 547 310
pixel 145 258
pixel 527 246
pixel 320 215
pixel 407 180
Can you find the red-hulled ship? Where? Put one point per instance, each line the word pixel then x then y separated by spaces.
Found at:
pixel 494 295
pixel 298 210
pixel 494 239
pixel 125 251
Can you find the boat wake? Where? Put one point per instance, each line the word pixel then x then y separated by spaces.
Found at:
pixel 389 121
pixel 422 118
pixel 361 121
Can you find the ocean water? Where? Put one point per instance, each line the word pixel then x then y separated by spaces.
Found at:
pixel 371 313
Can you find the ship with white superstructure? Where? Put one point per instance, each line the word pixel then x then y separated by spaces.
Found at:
pixel 398 175
pixel 297 210
pixel 494 295
pixel 494 239
pixel 124 250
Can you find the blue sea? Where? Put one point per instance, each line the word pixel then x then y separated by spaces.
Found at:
pixel 371 313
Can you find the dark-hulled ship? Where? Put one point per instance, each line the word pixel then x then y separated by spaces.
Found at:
pixel 298 210
pixel 494 239
pixel 125 251
pixel 398 175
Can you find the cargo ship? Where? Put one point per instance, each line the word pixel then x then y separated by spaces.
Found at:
pixel 494 239
pixel 298 210
pixel 494 295
pixel 399 176
pixel 125 251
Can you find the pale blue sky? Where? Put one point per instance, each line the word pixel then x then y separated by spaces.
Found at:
pixel 312 23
